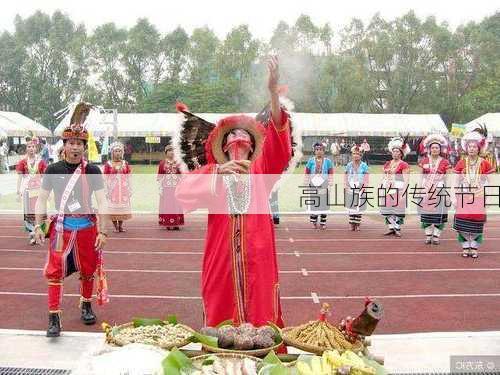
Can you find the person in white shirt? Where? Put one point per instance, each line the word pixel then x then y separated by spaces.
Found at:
pixel 3 157
pixel 335 150
pixel 365 148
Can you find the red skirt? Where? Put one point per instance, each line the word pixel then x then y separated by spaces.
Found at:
pixel 170 211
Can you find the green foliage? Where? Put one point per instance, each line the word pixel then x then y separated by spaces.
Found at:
pixel 404 65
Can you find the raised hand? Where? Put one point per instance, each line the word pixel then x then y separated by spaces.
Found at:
pixel 274 74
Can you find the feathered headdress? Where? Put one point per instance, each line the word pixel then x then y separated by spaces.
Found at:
pixel 81 116
pixel 401 143
pixel 116 145
pixel 435 139
pixel 479 135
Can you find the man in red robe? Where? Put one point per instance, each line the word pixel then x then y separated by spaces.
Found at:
pixel 240 269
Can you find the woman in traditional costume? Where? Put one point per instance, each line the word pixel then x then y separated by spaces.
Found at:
pixel 356 177
pixel 395 182
pixel 432 208
pixel 117 176
pixel 169 174
pixel 319 172
pixel 30 170
pixel 471 177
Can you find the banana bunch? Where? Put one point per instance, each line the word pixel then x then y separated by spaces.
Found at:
pixel 333 363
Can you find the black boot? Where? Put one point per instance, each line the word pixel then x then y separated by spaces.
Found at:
pixel 54 329
pixel 88 317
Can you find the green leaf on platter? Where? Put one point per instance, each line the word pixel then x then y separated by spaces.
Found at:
pixel 172 319
pixel 140 322
pixel 380 370
pixel 274 370
pixel 115 330
pixel 272 359
pixel 174 362
pixel 205 340
pixel 277 337
pixel 209 361
pixel 228 322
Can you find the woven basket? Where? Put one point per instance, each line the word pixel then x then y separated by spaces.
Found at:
pixel 312 348
pixel 111 339
pixel 201 358
pixel 252 353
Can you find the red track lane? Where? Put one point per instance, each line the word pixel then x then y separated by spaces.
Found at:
pixel 158 294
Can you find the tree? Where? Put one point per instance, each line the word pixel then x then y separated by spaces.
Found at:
pixel 235 59
pixel 141 54
pixel 202 53
pixel 113 86
pixel 54 67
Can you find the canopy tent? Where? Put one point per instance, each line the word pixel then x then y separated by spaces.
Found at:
pixel 311 124
pixel 3 134
pixel 133 125
pixel 491 120
pixel 17 125
pixel 368 125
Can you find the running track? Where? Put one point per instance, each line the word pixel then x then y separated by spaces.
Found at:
pixel 154 273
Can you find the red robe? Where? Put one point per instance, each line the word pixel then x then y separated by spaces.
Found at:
pixel 240 279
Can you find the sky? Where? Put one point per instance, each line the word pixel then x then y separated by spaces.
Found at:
pixel 261 15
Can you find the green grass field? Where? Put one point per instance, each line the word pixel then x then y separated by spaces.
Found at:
pixel 292 193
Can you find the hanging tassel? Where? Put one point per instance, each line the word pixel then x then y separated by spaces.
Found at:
pixel 102 283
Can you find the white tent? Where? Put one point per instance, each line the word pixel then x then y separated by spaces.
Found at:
pixel 17 125
pixel 491 120
pixel 134 125
pixel 311 124
pixel 368 125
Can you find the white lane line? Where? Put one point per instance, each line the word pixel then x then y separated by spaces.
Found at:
pixel 138 296
pixel 301 253
pixel 407 270
pixel 128 252
pixel 304 272
pixel 131 238
pixel 287 271
pixel 437 252
pixel 315 297
pixel 406 296
pixel 394 241
pixel 132 270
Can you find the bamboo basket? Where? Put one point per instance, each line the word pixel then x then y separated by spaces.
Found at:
pixel 358 347
pixel 253 353
pixel 201 358
pixel 111 339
